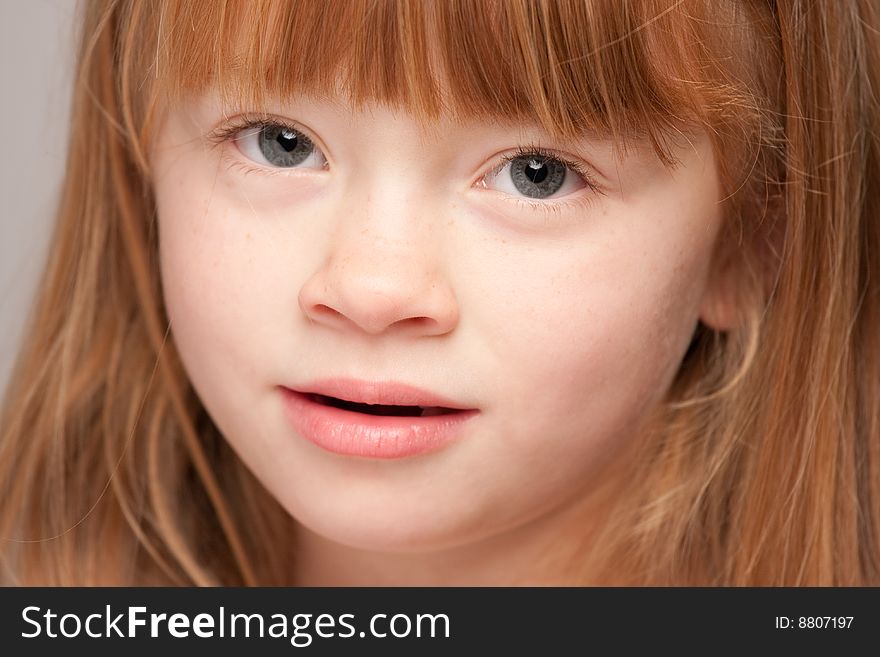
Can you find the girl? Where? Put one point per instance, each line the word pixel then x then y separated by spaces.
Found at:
pixel 460 292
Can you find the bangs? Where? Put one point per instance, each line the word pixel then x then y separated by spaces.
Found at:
pixel 575 67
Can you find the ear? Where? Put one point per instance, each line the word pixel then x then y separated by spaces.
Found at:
pixel 744 269
pixel 719 307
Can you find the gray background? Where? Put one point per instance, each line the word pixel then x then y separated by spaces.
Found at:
pixel 36 64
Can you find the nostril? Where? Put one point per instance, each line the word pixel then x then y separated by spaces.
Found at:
pixel 421 323
pixel 322 311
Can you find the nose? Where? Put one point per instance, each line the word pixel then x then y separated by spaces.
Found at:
pixel 374 284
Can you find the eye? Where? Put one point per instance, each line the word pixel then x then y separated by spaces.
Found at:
pixel 277 145
pixel 536 174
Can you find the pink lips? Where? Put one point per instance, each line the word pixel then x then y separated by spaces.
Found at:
pixel 332 414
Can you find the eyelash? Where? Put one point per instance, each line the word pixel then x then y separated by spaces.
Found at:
pixel 243 122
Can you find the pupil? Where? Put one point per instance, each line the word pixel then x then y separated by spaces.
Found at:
pixel 287 140
pixel 536 171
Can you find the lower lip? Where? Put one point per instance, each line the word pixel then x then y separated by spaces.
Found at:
pixel 371 436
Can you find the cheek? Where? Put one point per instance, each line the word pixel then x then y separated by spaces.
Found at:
pixel 597 319
pixel 590 337
pixel 211 283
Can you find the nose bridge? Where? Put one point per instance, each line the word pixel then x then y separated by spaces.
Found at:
pixel 385 227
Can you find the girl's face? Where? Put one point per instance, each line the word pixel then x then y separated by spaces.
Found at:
pixel 360 253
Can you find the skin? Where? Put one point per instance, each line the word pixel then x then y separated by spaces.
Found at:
pixel 402 260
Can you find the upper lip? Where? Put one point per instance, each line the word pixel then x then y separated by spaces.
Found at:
pixel 388 393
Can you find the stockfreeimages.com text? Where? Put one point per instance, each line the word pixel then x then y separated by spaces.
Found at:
pixel 300 629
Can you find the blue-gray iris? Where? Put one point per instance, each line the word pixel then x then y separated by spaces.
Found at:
pixel 537 177
pixel 283 147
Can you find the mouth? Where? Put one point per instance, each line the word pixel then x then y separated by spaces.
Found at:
pixel 388 420
pixel 390 410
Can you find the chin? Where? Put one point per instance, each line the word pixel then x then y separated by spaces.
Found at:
pixel 403 533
